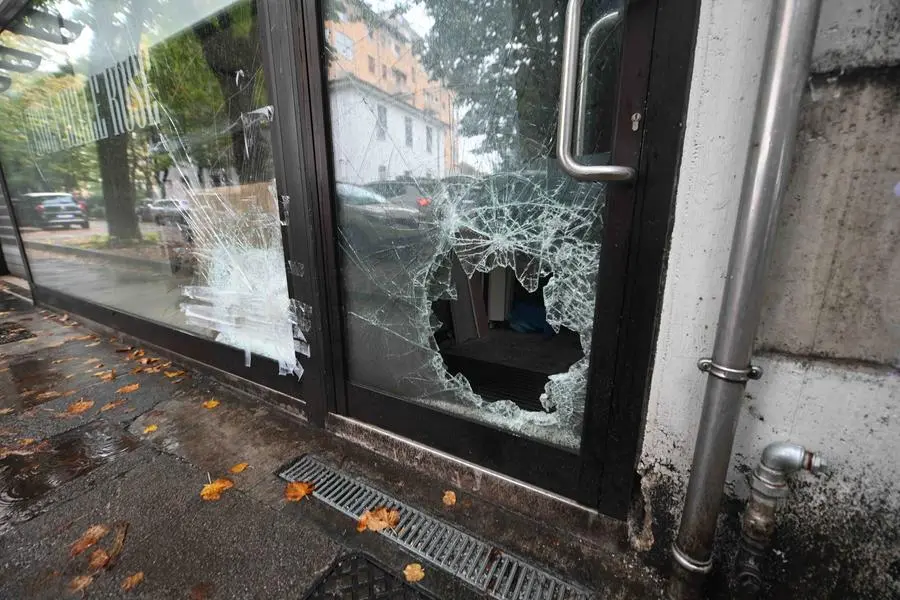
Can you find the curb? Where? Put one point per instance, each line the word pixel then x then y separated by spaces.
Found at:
pixel 128 261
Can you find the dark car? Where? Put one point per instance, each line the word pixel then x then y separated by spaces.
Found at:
pixel 51 209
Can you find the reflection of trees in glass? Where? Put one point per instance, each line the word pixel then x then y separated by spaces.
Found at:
pixel 502 58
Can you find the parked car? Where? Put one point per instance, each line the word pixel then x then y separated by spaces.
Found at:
pixel 162 211
pixel 414 194
pixel 51 209
pixel 142 210
pixel 369 221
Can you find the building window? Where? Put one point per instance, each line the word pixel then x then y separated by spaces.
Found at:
pixel 384 71
pixel 381 125
pixel 428 142
pixel 407 121
pixel 371 64
pixel 396 49
pixel 399 77
pixel 382 172
pixel 344 45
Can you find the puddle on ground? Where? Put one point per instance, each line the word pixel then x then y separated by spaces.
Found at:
pixel 27 476
pixel 25 383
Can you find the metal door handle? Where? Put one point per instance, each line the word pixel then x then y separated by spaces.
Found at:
pixel 566 161
pixel 604 23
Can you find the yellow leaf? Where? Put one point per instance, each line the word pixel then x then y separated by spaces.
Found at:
pixel 76 408
pixel 130 582
pixel 48 396
pixel 239 468
pixel 26 441
pixel 90 537
pixel 150 429
pixel 80 583
pixel 99 559
pixel 378 519
pixel 171 374
pixel 105 376
pixel 137 370
pixel 6 411
pixel 414 572
pixel 127 389
pixel 449 498
pixel 298 490
pixel 213 491
pixel 211 403
pixel 112 405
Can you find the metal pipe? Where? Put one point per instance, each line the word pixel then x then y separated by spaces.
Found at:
pixel 768 486
pixel 604 23
pixel 791 34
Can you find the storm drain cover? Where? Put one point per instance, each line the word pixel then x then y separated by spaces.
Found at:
pixel 357 577
pixel 13 332
pixel 487 568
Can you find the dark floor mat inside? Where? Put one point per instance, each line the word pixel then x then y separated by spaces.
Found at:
pixel 13 332
pixel 357 577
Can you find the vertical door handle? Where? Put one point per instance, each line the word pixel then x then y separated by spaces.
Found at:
pixel 566 161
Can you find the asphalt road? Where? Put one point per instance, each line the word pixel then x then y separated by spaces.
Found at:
pixel 98 227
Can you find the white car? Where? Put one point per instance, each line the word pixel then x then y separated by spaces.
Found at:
pixel 162 211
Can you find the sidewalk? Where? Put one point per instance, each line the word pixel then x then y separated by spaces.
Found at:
pixel 132 453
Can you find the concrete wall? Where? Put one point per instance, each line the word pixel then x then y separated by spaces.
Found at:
pixel 833 295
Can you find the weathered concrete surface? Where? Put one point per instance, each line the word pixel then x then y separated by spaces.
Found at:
pixel 861 33
pixel 834 289
pixel 251 543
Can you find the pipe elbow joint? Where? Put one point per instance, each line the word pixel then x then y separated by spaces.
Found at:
pixel 778 461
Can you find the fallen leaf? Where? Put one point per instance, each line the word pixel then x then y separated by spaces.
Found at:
pixel 298 490
pixel 26 442
pixel 201 591
pixel 69 393
pixel 239 468
pixel 59 361
pixel 118 543
pixel 127 389
pixel 99 559
pixel 378 519
pixel 76 408
pixel 150 429
pixel 213 490
pixel 130 582
pixel 137 370
pixel 136 354
pixel 84 338
pixel 90 537
pixel 6 411
pixel 211 403
pixel 449 498
pixel 48 395
pixel 153 370
pixel 414 572
pixel 112 405
pixel 171 374
pixel 125 349
pixel 80 583
pixel 107 375
pixel 92 345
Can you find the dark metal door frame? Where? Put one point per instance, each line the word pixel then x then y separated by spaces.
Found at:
pixel 658 50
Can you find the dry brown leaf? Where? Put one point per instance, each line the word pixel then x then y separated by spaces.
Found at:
pixel 99 559
pixel 213 490
pixel 414 572
pixel 76 408
pixel 212 403
pixel 239 468
pixel 90 537
pixel 84 338
pixel 449 498
pixel 118 543
pixel 48 395
pixel 201 591
pixel 150 429
pixel 152 370
pixel 106 375
pixel 298 490
pixel 112 405
pixel 171 374
pixel 130 582
pixel 6 411
pixel 137 370
pixel 127 389
pixel 92 345
pixel 378 519
pixel 125 349
pixel 69 393
pixel 26 442
pixel 79 583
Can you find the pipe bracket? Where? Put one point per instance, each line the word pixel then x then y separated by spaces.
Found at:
pixel 728 374
pixel 689 564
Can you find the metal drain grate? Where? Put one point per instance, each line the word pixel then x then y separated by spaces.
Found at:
pixel 357 577
pixel 13 332
pixel 487 568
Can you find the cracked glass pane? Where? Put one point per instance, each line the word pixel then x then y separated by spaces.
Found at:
pixel 469 259
pixel 136 149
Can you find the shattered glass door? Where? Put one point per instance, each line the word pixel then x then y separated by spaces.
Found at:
pixel 469 260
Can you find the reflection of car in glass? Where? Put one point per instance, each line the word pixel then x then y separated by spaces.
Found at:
pixel 369 221
pixel 412 193
pixel 142 210
pixel 51 209
pixel 162 211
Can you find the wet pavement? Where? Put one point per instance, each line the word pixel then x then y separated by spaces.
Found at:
pixel 98 432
